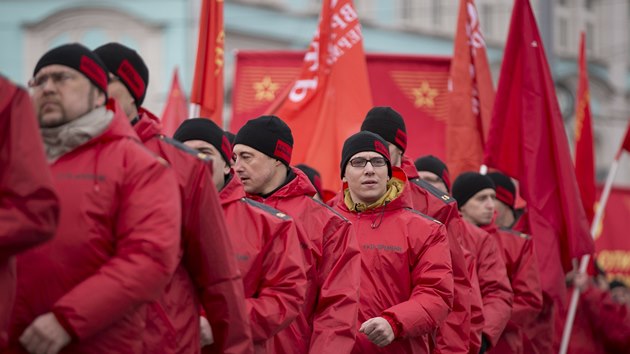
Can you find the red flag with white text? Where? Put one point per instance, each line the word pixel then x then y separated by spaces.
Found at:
pixel 329 99
pixel 471 97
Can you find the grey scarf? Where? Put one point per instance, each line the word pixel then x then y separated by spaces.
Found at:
pixel 65 138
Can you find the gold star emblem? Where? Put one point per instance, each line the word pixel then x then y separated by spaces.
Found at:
pixel 424 95
pixel 265 89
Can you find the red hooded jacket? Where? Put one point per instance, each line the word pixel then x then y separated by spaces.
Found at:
pixel 522 270
pixel 454 334
pixel 116 247
pixel 496 292
pixel 269 256
pixel 406 272
pixel 29 207
pixel 207 272
pixel 327 322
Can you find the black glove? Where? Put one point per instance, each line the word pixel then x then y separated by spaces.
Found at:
pixel 484 345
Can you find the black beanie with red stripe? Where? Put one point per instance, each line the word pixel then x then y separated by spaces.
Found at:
pixel 505 188
pixel 269 135
pixel 387 123
pixel 126 64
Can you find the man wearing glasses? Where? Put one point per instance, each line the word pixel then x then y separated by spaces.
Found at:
pixel 116 245
pixel 406 274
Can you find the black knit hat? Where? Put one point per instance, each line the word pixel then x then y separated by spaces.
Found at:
pixel 230 136
pixel 468 184
pixel 205 130
pixel 80 58
pixel 432 164
pixel 387 123
pixel 506 190
pixel 360 142
pixel 269 135
pixel 126 64
pixel 313 176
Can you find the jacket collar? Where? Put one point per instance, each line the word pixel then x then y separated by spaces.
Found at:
pixel 148 126
pixel 232 190
pixel 403 199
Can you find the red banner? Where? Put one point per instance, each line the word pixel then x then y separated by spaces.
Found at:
pixel 414 85
pixel 612 243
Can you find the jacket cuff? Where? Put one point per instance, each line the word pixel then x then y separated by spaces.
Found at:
pixel 396 326
pixel 66 325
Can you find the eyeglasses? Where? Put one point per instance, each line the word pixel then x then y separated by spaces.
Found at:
pixel 375 162
pixel 58 78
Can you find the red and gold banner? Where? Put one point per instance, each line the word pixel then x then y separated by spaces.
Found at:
pixel 612 243
pixel 414 85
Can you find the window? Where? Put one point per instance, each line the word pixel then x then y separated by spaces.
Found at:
pixel 486 19
pixel 406 8
pixel 436 12
pixel 563 32
pixel 590 37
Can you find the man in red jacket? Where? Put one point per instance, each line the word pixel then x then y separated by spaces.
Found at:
pixel 29 207
pixel 478 193
pixel 265 240
pixel 454 334
pixel 207 275
pixel 117 244
pixel 327 321
pixel 406 279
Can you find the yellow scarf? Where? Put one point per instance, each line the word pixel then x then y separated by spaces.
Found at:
pixel 394 188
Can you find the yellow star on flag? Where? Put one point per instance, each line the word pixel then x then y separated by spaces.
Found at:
pixel 265 89
pixel 424 95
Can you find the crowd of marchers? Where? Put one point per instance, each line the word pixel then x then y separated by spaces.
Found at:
pixel 115 238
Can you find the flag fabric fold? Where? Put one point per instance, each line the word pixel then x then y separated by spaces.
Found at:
pixel 584 155
pixel 527 141
pixel 471 96
pixel 207 89
pixel 329 99
pixel 175 110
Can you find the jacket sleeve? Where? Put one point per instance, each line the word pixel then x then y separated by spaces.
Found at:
pixel 146 229
pixel 495 288
pixel 29 208
pixel 526 286
pixel 432 278
pixel 209 259
pixel 336 315
pixel 281 292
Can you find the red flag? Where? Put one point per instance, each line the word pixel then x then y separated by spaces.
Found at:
pixel 207 90
pixel 472 94
pixel 584 155
pixel 626 140
pixel 175 110
pixel 527 141
pixel 329 100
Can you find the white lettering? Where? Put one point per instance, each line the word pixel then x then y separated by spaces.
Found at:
pixel 300 89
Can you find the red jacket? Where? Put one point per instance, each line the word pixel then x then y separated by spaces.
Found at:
pixel 406 272
pixel 269 256
pixel 600 324
pixel 327 322
pixel 494 284
pixel 114 251
pixel 454 334
pixel 29 208
pixel 522 269
pixel 207 272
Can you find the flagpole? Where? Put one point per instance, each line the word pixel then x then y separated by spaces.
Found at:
pixel 193 110
pixel 599 215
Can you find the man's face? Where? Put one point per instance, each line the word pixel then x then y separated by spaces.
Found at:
pixel 219 167
pixel 255 169
pixel 395 155
pixel 480 208
pixel 62 94
pixel 367 184
pixel 433 180
pixel 120 93
pixel 505 216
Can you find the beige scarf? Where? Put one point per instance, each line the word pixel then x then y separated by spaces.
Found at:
pixel 65 138
pixel 394 188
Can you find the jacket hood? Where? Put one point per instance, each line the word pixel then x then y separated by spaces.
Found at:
pixel 298 186
pixel 119 127
pixel 148 125
pixel 232 190
pixel 409 168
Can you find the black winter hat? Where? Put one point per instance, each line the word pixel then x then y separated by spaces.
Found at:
pixel 128 66
pixel 387 123
pixel 313 176
pixel 468 184
pixel 205 130
pixel 506 190
pixel 269 135
pixel 230 136
pixel 432 164
pixel 364 141
pixel 80 58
